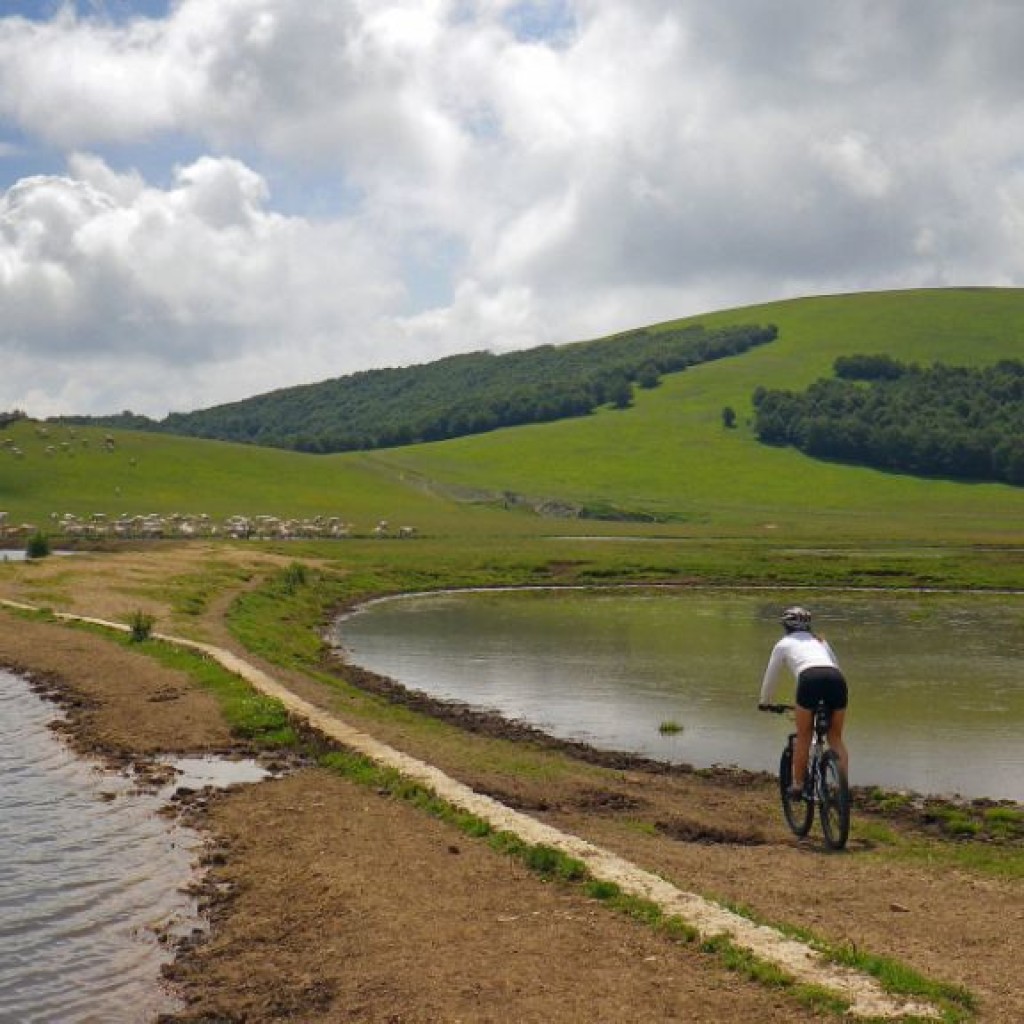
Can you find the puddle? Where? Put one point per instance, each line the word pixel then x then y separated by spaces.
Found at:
pixel 20 555
pixel 192 773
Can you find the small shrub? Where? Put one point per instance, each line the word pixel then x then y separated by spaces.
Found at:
pixel 38 545
pixel 141 625
pixel 551 863
pixel 293 578
pixel 679 930
pixel 669 728
pixel 601 890
pixel 890 803
pixel 1003 823
pixel 1010 814
pixel 958 823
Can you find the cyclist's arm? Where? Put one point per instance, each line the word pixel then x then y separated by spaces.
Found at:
pixel 831 653
pixel 772 674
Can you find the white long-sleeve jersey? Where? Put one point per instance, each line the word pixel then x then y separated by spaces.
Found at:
pixel 795 651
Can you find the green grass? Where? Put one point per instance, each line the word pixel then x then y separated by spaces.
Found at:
pixel 973 855
pixel 153 473
pixel 954 1002
pixel 999 829
pixel 1004 822
pixel 250 715
pixel 671 457
pixel 668 457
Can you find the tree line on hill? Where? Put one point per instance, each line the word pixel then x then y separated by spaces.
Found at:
pixel 958 422
pixel 456 396
pixel 11 416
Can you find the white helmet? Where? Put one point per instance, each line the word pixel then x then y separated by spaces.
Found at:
pixel 795 619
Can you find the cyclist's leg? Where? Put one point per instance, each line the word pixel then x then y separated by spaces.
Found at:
pixel 802 744
pixel 806 702
pixel 835 739
pixel 836 699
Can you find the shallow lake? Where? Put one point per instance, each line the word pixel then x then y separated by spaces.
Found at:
pixel 93 874
pixel 937 681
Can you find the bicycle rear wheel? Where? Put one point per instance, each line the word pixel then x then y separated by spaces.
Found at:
pixel 833 801
pixel 798 813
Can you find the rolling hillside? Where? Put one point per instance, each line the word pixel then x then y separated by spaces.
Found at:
pixel 666 466
pixel 64 470
pixel 463 394
pixel 671 458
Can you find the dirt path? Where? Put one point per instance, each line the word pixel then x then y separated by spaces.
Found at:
pixel 333 902
pixel 711 919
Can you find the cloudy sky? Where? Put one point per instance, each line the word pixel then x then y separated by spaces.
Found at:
pixel 202 200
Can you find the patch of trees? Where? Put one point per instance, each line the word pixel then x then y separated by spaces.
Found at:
pixel 7 418
pixel 456 396
pixel 965 423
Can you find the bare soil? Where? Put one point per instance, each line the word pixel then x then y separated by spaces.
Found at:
pixel 331 901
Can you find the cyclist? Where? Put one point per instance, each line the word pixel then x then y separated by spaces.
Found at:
pixel 818 678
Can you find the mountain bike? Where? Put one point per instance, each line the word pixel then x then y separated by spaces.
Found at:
pixel 825 784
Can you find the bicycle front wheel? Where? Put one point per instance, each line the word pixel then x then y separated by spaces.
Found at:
pixel 798 813
pixel 833 801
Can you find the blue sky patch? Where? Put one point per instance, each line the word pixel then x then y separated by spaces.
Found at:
pixel 542 20
pixel 110 10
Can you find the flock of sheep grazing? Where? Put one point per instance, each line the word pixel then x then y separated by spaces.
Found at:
pixel 153 526
pixel 183 527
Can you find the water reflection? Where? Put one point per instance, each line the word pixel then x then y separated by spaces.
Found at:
pixel 16 555
pixel 216 772
pixel 936 681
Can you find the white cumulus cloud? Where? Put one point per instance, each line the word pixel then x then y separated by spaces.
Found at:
pixel 251 193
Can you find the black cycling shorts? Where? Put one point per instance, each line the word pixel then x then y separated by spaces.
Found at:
pixel 824 683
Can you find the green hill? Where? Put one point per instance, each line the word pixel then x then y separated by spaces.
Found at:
pixel 666 466
pixel 463 394
pixel 71 470
pixel 671 458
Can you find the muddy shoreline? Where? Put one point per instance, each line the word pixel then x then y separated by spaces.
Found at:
pixel 910 806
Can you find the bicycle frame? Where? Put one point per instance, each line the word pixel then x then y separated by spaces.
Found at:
pixel 819 744
pixel 824 785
